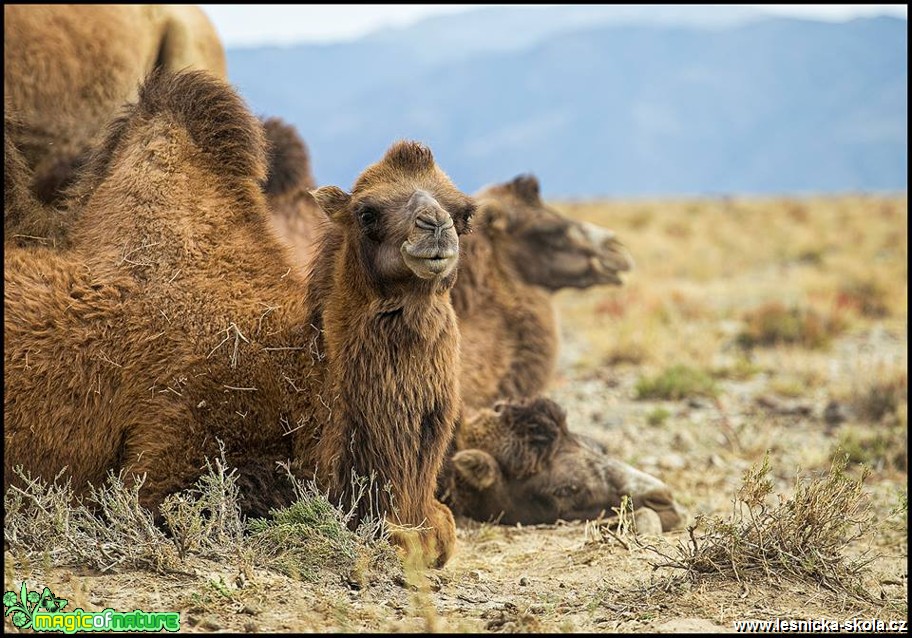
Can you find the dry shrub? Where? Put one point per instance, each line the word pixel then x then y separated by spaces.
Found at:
pixel 626 352
pixel 867 297
pixel 775 324
pixel 206 519
pixel 797 212
pixel 108 528
pixel 801 538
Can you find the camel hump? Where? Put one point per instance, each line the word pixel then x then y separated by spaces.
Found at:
pixel 213 113
pixel 190 40
pixel 289 159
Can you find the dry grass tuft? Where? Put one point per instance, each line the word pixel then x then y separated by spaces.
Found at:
pixel 881 449
pixel 656 418
pixel 773 324
pixel 314 535
pixel 882 396
pixel 801 538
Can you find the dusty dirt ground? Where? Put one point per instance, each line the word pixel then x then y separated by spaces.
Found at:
pixel 701 265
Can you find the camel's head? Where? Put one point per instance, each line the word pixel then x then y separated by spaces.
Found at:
pixel 406 216
pixel 548 249
pixel 533 470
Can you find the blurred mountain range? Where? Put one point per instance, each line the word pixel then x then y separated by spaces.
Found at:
pixel 605 100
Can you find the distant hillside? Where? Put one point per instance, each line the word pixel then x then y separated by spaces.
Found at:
pixel 775 105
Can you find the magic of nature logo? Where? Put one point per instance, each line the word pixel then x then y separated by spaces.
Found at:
pixel 44 612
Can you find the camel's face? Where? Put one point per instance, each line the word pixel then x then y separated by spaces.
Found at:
pixel 405 215
pixel 547 474
pixel 548 249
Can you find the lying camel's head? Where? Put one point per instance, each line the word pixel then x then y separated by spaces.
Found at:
pixel 533 470
pixel 406 215
pixel 548 249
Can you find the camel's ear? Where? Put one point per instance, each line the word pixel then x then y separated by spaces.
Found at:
pixel 495 217
pixel 332 199
pixel 540 421
pixel 526 188
pixel 477 468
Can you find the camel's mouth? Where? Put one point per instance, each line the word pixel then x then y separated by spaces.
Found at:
pixel 611 260
pixel 429 262
pixel 608 256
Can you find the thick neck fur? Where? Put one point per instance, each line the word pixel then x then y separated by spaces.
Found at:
pixel 489 284
pixel 393 384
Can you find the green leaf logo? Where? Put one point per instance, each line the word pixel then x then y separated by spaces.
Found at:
pixel 23 606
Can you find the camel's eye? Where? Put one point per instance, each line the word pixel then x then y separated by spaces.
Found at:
pixel 566 491
pixel 367 215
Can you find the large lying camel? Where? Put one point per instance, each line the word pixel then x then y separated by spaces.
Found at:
pixel 518 463
pixel 67 69
pixel 175 320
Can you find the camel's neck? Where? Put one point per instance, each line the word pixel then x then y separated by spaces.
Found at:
pixel 476 274
pixel 391 370
pixel 488 284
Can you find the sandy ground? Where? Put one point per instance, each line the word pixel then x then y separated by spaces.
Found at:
pixel 568 576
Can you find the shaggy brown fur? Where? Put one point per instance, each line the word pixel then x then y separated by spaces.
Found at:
pixel 67 69
pixel 25 220
pixel 518 463
pixel 175 320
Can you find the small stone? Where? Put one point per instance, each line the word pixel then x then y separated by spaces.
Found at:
pixel 524 581
pixel 474 576
pixel 211 625
pixel 249 610
pixel 647 522
pixel 251 627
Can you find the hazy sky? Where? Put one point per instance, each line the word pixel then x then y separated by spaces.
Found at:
pixel 241 25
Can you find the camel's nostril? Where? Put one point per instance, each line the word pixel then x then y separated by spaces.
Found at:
pixel 435 223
